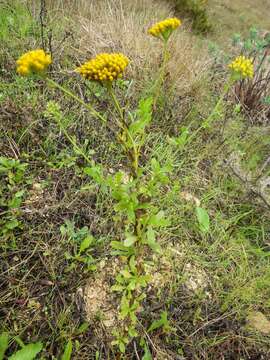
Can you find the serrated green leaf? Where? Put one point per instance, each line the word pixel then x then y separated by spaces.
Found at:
pixel 3 344
pixel 68 351
pixel 96 173
pixel 159 323
pixel 28 352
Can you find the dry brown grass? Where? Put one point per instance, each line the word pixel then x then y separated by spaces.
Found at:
pixel 121 26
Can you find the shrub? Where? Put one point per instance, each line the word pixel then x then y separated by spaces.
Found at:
pixel 197 11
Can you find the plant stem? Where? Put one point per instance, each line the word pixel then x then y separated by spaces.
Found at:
pixel 123 125
pixel 160 80
pixel 75 97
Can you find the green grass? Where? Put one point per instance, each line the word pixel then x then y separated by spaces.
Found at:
pixel 41 286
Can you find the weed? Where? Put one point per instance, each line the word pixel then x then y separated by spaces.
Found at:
pixel 253 94
pixel 82 240
pixel 12 173
pixel 27 352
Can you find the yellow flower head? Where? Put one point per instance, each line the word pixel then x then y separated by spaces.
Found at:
pixel 242 67
pixel 164 28
pixel 104 67
pixel 35 61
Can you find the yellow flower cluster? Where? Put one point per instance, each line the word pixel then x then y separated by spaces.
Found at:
pixel 164 28
pixel 242 66
pixel 104 68
pixel 35 61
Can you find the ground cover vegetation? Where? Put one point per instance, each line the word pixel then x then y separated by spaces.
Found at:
pixel 134 185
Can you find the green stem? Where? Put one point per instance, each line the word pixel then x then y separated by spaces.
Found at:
pixel 116 102
pixel 80 101
pixel 160 80
pixel 123 125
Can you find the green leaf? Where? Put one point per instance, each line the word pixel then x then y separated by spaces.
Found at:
pixel 12 224
pixel 158 220
pixel 144 114
pixel 68 351
pixel 159 323
pixel 96 173
pixel 130 240
pixel 28 352
pixel 122 347
pixel 3 344
pixel 151 240
pixel 86 243
pixel 132 264
pixel 132 332
pixel 203 219
pixel 118 245
pixel 132 285
pixel 126 274
pixel 147 355
pixel 82 328
pixel 181 140
pixel 117 287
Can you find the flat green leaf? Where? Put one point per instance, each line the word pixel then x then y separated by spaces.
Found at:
pixel 182 139
pixel 3 344
pixel 86 243
pixel 82 328
pixel 117 287
pixel 122 347
pixel 158 220
pixel 203 219
pixel 151 240
pixel 144 114
pixel 132 264
pixel 130 240
pixel 28 352
pixel 12 224
pixel 147 355
pixel 68 351
pixel 132 332
pixel 118 245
